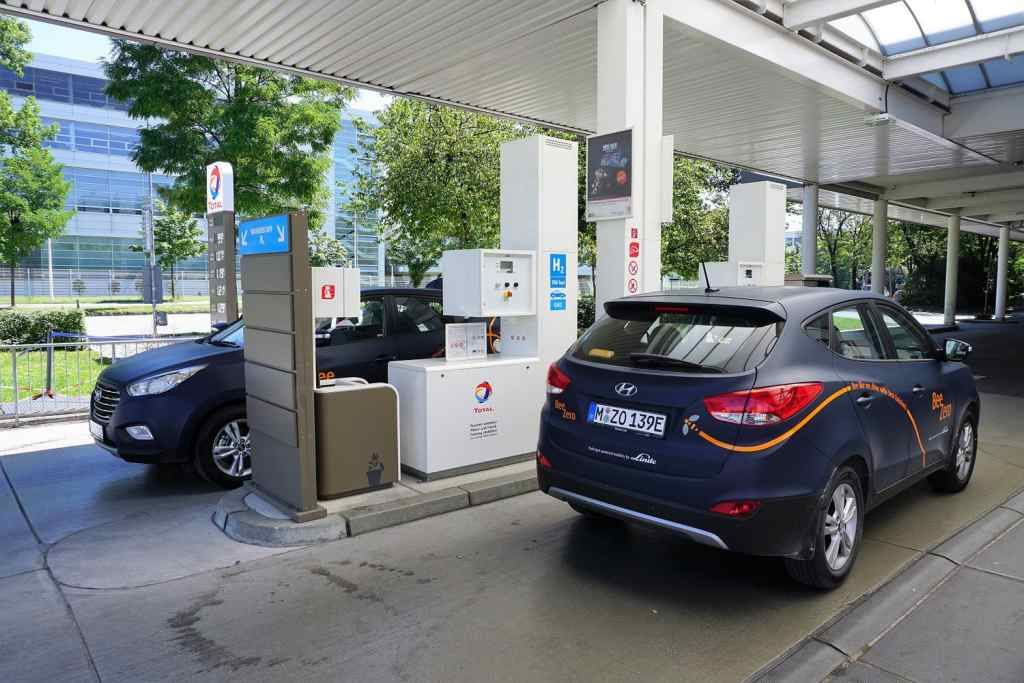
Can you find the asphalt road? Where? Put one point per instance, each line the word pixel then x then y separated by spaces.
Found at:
pixel 113 571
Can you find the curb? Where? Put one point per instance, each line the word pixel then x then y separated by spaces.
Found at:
pixel 241 522
pixel 845 639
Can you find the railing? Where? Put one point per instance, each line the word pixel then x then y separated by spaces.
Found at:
pixel 45 380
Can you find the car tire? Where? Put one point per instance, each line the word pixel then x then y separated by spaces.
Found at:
pixel 957 474
pixel 836 545
pixel 223 450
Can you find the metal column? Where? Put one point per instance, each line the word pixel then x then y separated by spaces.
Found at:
pixel 879 245
pixel 809 240
pixel 1004 254
pixel 952 264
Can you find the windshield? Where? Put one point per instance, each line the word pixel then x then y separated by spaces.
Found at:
pixel 686 339
pixel 232 335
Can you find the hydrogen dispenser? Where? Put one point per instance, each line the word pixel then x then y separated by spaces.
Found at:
pixel 460 416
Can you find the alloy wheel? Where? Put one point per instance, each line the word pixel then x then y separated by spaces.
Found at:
pixel 840 527
pixel 965 451
pixel 232 449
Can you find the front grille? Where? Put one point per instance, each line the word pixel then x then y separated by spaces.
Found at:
pixel 104 402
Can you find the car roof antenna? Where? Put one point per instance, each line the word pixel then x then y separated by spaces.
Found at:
pixel 707 289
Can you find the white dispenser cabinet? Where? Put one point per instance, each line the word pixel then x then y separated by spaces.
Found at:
pixel 473 414
pixel 483 283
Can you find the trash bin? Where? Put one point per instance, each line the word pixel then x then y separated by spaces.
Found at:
pixel 356 438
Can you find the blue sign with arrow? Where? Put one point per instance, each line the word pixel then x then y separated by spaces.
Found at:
pixel 268 235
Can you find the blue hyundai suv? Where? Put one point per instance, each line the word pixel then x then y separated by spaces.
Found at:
pixel 185 403
pixel 760 420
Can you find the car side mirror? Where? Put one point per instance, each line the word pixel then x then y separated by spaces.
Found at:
pixel 956 350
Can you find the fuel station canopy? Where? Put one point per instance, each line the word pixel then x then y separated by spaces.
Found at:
pixel 917 102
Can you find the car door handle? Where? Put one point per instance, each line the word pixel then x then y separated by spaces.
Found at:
pixel 918 389
pixel 865 400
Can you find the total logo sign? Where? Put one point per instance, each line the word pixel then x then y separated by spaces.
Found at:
pixel 220 187
pixel 482 393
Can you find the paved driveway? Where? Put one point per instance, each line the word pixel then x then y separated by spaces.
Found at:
pixel 113 571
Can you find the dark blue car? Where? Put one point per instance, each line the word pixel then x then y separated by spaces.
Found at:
pixel 185 403
pixel 760 420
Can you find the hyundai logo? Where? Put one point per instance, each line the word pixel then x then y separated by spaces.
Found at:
pixel 625 389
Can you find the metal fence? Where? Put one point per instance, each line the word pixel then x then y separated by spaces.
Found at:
pixel 43 380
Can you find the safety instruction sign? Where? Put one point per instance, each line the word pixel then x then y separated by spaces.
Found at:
pixel 558 268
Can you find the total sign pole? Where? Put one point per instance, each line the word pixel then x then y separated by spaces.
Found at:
pixel 220 222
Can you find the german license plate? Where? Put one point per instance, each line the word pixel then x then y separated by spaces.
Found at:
pixel 96 429
pixel 652 424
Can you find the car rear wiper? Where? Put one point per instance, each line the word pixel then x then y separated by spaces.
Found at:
pixel 639 358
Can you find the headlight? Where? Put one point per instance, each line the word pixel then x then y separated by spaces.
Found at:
pixel 158 384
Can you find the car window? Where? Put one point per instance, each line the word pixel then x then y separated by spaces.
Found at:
pixel 907 340
pixel 818 329
pixel 681 338
pixel 232 335
pixel 369 324
pixel 417 315
pixel 855 337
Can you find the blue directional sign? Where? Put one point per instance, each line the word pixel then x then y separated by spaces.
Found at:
pixel 558 267
pixel 264 236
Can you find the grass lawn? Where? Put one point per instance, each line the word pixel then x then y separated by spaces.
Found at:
pixel 111 299
pixel 74 373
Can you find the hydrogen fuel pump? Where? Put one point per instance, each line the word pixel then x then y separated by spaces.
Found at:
pixel 465 415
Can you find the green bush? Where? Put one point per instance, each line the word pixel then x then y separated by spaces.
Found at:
pixel 30 327
pixel 585 314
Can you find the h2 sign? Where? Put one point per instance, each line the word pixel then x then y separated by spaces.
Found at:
pixel 558 268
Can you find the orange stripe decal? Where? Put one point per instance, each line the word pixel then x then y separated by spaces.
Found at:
pixel 755 448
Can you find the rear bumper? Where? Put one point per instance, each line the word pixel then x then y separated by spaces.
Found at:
pixel 781 527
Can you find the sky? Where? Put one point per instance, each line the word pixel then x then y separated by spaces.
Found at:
pixel 71 43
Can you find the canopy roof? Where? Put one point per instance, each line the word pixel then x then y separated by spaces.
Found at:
pixel 873 97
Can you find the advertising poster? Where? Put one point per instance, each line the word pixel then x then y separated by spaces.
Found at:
pixel 610 175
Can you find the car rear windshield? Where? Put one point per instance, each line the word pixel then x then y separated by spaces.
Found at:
pixel 681 338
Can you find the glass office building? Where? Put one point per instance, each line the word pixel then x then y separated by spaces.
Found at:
pixel 95 142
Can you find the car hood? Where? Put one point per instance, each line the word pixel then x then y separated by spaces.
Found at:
pixel 166 358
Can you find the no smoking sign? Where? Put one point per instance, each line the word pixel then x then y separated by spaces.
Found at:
pixel 634 267
pixel 632 285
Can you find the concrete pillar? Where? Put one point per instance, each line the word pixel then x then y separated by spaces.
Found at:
pixel 879 245
pixel 952 264
pixel 629 95
pixel 1004 255
pixel 809 240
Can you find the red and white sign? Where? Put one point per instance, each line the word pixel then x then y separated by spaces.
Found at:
pixel 634 267
pixel 335 292
pixel 632 285
pixel 327 292
pixel 634 233
pixel 634 250
pixel 220 187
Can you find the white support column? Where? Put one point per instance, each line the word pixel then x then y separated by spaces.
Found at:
pixel 952 264
pixel 809 240
pixel 879 245
pixel 629 95
pixel 1004 254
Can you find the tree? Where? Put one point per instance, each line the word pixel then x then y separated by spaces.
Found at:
pixel 700 218
pixel 176 237
pixel 32 188
pixel 277 130
pixel 415 253
pixel 432 175
pixel 325 250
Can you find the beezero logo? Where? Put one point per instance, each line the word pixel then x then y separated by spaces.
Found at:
pixel 483 392
pixel 220 189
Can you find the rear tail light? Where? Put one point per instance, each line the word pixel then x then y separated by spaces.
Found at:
pixel 761 407
pixel 542 461
pixel 558 381
pixel 736 508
